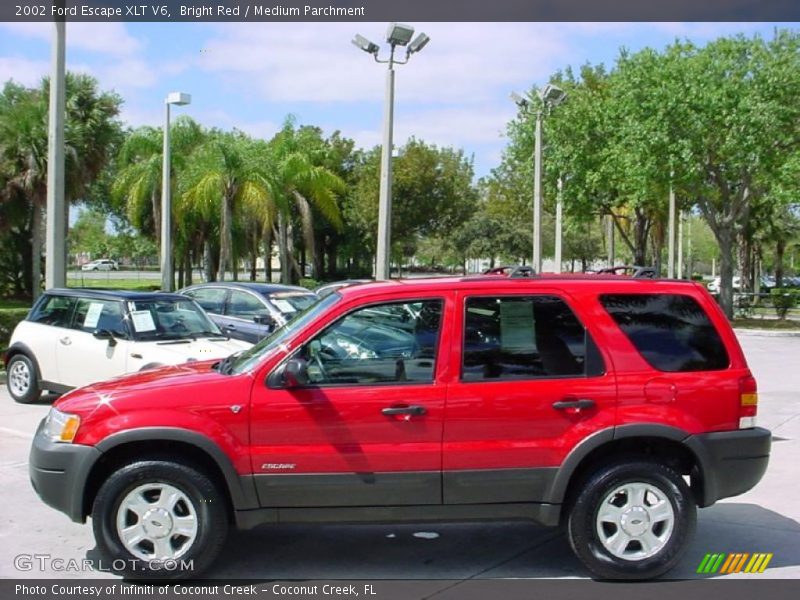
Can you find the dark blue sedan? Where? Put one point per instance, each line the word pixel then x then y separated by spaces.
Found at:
pixel 249 311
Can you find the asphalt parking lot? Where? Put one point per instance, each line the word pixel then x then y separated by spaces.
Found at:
pixel 766 519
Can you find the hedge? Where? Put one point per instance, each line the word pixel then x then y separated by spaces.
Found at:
pixel 9 317
pixel 784 300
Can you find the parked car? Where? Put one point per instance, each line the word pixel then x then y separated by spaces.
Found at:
pixel 249 311
pixel 73 337
pixel 102 264
pixel 615 406
pixel 714 284
pixel 328 288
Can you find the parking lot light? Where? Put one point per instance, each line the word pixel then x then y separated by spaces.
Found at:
pixel 397 34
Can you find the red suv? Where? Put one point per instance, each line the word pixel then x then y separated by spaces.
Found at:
pixel 610 405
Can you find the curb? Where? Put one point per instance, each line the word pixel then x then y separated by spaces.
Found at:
pixel 765 332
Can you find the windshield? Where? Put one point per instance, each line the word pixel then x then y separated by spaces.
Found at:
pixel 291 303
pixel 252 356
pixel 168 319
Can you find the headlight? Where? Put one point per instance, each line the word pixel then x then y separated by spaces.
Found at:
pixel 61 427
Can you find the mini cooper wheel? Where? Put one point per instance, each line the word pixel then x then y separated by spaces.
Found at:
pixel 632 520
pixel 21 379
pixel 159 520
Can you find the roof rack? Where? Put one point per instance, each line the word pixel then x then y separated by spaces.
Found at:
pixel 512 271
pixel 635 271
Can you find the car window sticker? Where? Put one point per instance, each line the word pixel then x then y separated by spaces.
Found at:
pixel 93 315
pixel 143 320
pixel 284 305
pixel 516 325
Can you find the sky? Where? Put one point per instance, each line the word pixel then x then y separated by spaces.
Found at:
pixel 252 75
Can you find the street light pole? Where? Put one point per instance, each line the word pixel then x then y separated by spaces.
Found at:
pixel 671 233
pixel 55 242
pixel 167 278
pixel 537 195
pixel 383 258
pixel 397 35
pixel 559 224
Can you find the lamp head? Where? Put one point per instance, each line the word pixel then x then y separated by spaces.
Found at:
pixel 178 98
pixel 364 44
pixel 399 34
pixel 419 43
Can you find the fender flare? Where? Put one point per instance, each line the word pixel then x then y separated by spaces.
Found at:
pixel 20 348
pixel 557 490
pixel 240 487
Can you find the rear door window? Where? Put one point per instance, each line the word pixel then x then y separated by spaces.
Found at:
pixel 54 310
pixel 671 331
pixel 525 337
pixel 211 299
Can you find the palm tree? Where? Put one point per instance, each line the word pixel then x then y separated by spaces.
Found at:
pixel 226 171
pixel 91 130
pixel 138 181
pixel 301 182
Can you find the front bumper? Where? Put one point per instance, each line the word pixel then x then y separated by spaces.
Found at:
pixel 59 472
pixel 731 462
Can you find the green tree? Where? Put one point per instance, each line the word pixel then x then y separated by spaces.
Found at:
pixel 91 133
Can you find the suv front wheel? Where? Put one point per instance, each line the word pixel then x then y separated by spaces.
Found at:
pixel 632 519
pixel 156 519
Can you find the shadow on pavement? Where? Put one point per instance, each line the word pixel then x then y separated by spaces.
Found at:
pixel 456 551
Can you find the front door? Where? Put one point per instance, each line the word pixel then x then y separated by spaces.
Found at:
pixel 531 384
pixel 366 428
pixel 80 356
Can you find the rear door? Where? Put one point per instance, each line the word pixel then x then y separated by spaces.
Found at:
pixel 531 383
pixel 247 316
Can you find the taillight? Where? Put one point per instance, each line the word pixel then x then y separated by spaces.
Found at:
pixel 748 402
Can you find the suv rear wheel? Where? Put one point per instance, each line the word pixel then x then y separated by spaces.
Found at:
pixel 632 519
pixel 22 383
pixel 155 519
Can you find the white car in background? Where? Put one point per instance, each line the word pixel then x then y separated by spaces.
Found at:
pixel 74 337
pixel 101 264
pixel 714 284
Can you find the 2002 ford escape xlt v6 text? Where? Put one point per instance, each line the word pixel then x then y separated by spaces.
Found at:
pixel 609 405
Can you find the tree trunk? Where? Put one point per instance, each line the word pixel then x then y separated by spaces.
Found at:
pixel 187 259
pixel 226 237
pixel 309 239
pixel 181 273
pixel 36 248
pixel 745 264
pixel 780 249
pixel 268 254
pixel 155 201
pixel 208 260
pixel 284 249
pixel 725 240
pixel 332 257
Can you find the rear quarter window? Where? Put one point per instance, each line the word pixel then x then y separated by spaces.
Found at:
pixel 671 331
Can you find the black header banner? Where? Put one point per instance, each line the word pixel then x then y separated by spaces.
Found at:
pixel 399 10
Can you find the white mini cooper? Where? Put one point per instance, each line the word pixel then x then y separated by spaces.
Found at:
pixel 74 337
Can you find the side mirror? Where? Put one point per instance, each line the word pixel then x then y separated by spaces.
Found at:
pixel 105 334
pixel 295 373
pixel 263 320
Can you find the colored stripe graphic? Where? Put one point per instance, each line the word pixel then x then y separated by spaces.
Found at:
pixel 726 564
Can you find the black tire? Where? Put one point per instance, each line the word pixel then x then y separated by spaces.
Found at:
pixel 23 364
pixel 207 501
pixel 582 520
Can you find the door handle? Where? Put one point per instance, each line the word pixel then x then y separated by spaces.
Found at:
pixel 65 341
pixel 230 327
pixel 578 404
pixel 415 410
